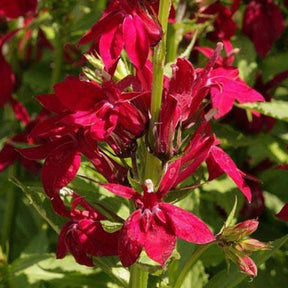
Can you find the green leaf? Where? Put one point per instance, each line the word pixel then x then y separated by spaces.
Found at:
pixel 110 226
pixel 197 277
pixel 36 269
pixel 276 108
pixel 231 217
pixel 41 204
pixel 224 280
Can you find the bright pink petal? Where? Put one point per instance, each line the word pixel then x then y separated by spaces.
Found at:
pixel 227 90
pixel 186 225
pixel 120 190
pixel 159 242
pixel 136 40
pixel 218 162
pixel 131 240
pixel 110 45
pixel 77 95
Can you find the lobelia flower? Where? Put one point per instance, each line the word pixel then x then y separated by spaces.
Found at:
pixel 155 225
pixel 83 236
pixel 124 24
pixel 12 9
pixel 261 32
pixel 62 154
pixel 224 82
pixel 218 162
pixel 183 95
pixel 224 25
pixel 61 148
pixel 101 109
pixel 236 246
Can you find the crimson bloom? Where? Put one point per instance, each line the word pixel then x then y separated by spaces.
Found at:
pixel 261 31
pixel 219 162
pixel 12 9
pixel 155 225
pixel 224 25
pixel 224 82
pixel 83 236
pixel 7 80
pixel 62 154
pixel 101 108
pixel 124 24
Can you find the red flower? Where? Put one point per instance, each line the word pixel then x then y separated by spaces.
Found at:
pixel 83 236
pixel 283 214
pixel 62 154
pixel 226 87
pixel 14 8
pixel 155 225
pixel 264 24
pixel 224 25
pixel 7 80
pixel 124 24
pixel 99 109
pixel 219 162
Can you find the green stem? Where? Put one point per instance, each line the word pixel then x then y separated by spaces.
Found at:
pixel 138 277
pixel 159 61
pixel 153 164
pixel 8 217
pixel 58 56
pixel 191 261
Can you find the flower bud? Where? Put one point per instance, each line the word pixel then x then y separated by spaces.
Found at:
pixel 236 247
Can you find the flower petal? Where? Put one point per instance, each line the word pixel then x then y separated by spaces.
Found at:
pixel 219 162
pixel 136 40
pixel 131 240
pixel 186 225
pixel 59 169
pixel 159 242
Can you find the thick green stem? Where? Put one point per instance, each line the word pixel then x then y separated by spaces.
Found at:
pixel 191 261
pixel 153 165
pixel 159 61
pixel 138 277
pixel 8 217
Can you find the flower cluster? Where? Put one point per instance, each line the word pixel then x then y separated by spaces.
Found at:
pixel 106 117
pixel 236 246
